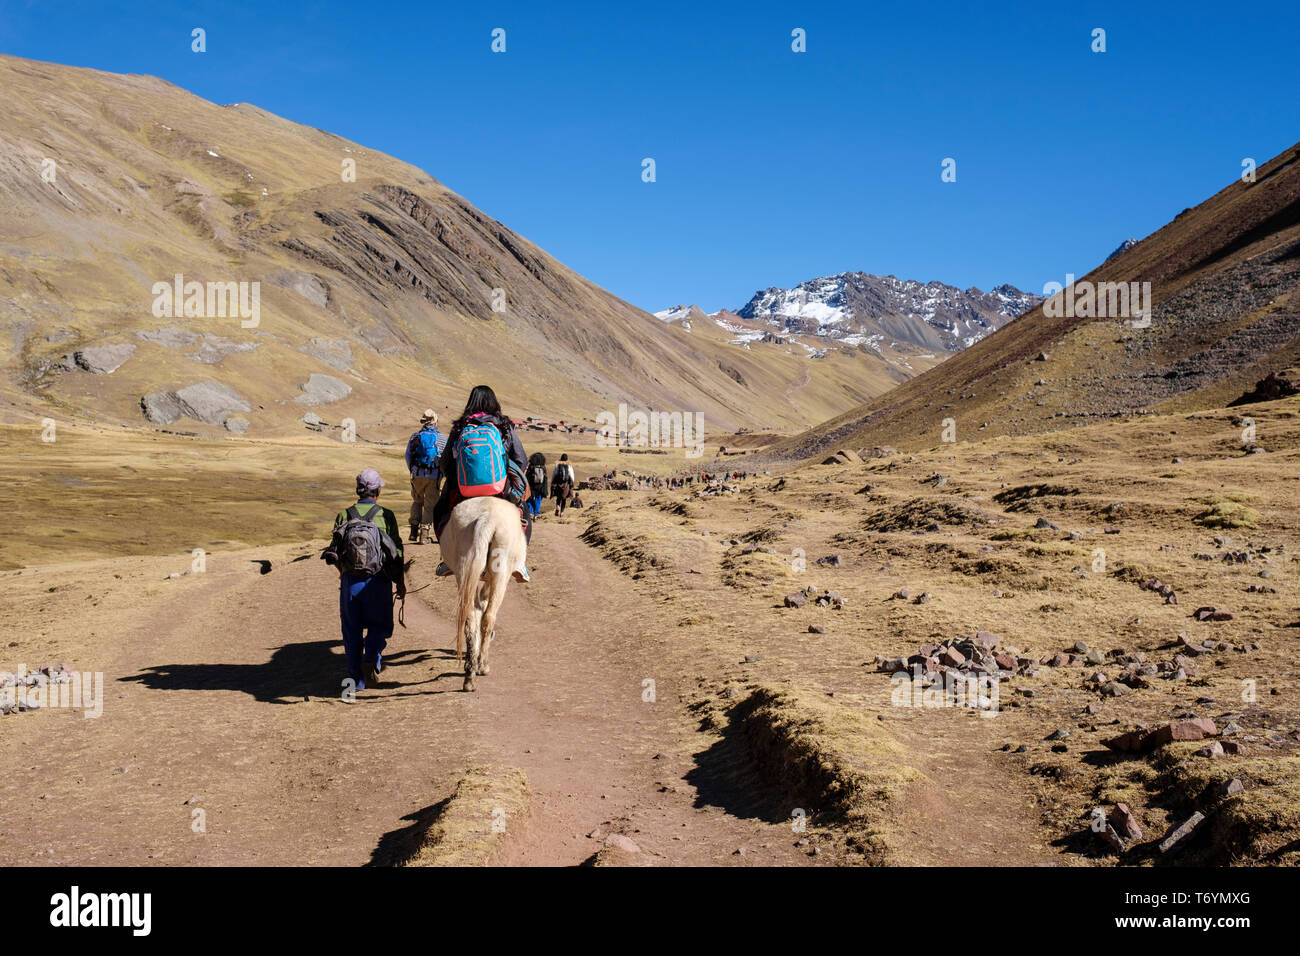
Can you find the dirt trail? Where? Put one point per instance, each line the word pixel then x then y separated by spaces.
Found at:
pixel 565 703
pixel 222 696
pixel 225 690
pixel 804 381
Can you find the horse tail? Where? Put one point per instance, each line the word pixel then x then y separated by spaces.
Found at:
pixel 471 571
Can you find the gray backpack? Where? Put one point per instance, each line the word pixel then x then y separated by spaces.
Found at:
pixel 363 548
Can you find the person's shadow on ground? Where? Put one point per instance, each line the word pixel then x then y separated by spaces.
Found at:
pixel 295 671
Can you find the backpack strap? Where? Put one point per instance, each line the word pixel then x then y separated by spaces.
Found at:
pixel 355 515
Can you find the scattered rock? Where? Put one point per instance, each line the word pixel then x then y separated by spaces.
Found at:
pixel 1210 613
pixel 1140 741
pixel 831 599
pixel 1177 837
pixel 620 842
pixel 890 665
pixel 1111 836
pixel 1124 822
pixel 1230 789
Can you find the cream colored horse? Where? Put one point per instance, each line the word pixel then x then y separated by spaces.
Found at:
pixel 482 543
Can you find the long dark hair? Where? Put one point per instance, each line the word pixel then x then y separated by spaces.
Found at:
pixel 537 458
pixel 483 401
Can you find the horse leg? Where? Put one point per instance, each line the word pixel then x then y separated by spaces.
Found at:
pixel 496 596
pixel 473 645
pixel 495 583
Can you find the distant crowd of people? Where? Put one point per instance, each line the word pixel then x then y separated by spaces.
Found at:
pixel 673 482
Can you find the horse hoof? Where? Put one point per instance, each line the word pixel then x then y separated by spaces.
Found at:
pixel 469 686
pixel 482 671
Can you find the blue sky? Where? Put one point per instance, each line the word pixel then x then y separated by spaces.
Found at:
pixel 772 166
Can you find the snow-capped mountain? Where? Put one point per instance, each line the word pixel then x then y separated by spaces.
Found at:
pixel 686 314
pixel 856 308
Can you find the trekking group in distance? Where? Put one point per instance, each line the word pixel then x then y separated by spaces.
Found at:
pixel 481 456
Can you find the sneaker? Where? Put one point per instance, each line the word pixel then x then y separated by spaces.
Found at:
pixel 361 685
pixel 379 664
pixel 442 570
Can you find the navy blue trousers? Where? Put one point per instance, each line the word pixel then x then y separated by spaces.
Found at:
pixel 365 605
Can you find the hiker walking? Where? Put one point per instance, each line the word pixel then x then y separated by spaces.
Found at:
pixel 423 450
pixel 367 550
pixel 538 484
pixel 562 483
pixel 483 457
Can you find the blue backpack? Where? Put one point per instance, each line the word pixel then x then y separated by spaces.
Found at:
pixel 424 449
pixel 480 460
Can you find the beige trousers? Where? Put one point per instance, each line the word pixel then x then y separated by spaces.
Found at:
pixel 424 495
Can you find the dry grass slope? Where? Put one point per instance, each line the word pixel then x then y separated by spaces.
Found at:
pixel 488 801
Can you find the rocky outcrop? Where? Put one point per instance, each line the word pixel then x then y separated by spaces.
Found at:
pixel 306 285
pixel 1268 389
pixel 322 389
pixel 336 353
pixel 103 359
pixel 214 348
pixel 161 408
pixel 209 349
pixel 208 402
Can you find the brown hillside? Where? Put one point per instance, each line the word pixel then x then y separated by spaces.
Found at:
pixel 381 287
